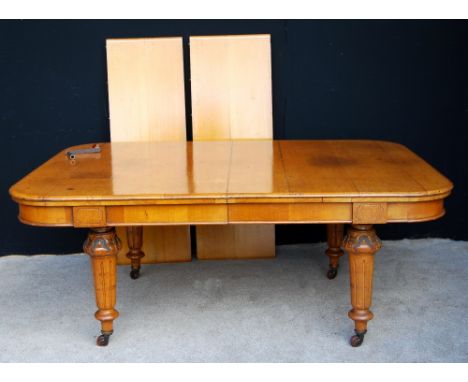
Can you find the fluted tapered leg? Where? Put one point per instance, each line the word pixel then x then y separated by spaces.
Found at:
pixel 362 243
pixel 102 246
pixel 334 251
pixel 135 242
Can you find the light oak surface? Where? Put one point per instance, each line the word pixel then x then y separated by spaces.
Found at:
pixel 232 99
pixel 231 87
pixel 234 182
pixel 167 192
pixel 361 243
pixel 102 246
pixel 146 89
pixel 333 182
pixel 147 103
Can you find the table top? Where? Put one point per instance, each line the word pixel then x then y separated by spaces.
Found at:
pixel 245 171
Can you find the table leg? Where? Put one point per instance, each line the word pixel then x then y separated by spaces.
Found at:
pixel 102 246
pixel 362 243
pixel 135 242
pixel 334 251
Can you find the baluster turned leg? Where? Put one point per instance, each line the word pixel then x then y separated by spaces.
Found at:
pixel 135 241
pixel 102 246
pixel 361 243
pixel 334 251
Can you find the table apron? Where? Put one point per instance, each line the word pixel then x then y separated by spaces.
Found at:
pixel 242 213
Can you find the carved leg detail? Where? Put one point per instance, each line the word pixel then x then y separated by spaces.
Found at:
pixel 135 242
pixel 361 243
pixel 102 246
pixel 334 251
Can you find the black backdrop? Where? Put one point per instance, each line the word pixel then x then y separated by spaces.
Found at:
pixel 404 81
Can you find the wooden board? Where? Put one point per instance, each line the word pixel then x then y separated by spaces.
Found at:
pixel 210 173
pixel 201 183
pixel 147 103
pixel 231 87
pixel 146 89
pixel 232 99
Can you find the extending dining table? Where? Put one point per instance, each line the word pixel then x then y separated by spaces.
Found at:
pixel 357 182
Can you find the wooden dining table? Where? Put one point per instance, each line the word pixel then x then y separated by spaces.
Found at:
pixel 130 184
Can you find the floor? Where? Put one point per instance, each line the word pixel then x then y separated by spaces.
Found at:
pixel 280 310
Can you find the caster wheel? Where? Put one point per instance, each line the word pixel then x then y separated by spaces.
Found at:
pixel 135 273
pixel 103 340
pixel 332 272
pixel 357 339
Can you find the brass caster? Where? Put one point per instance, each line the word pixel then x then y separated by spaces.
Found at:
pixel 332 272
pixel 103 339
pixel 357 339
pixel 135 273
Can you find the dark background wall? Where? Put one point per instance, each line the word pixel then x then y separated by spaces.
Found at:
pixel 404 81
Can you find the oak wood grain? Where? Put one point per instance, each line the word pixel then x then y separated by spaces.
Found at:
pixel 146 89
pixel 232 99
pixel 362 243
pixel 102 246
pixel 215 183
pixel 331 171
pixel 48 194
pixel 231 87
pixel 147 103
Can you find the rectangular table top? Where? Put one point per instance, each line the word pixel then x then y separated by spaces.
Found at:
pixel 233 171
